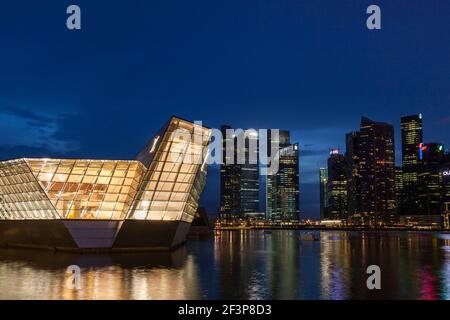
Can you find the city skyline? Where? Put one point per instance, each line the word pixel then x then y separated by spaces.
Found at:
pixel 265 70
pixel 364 185
pixel 261 182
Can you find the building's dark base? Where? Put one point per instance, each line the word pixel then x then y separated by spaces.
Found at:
pixel 92 250
pixel 94 235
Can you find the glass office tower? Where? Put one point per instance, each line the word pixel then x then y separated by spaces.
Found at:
pixel 412 136
pixel 352 158
pixel 323 193
pixel 445 173
pixel 91 204
pixel 337 186
pixel 429 186
pixel 398 189
pixel 377 172
pixel 282 188
pixel 239 174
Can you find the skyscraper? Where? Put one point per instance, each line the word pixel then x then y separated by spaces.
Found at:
pixel 377 160
pixel 429 187
pixel 337 186
pixel 323 193
pixel 445 172
pixel 353 177
pixel 229 181
pixel 283 139
pixel 412 136
pixel 282 188
pixel 398 189
pixel 239 180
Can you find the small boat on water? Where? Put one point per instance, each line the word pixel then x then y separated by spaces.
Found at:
pixel 267 231
pixel 308 236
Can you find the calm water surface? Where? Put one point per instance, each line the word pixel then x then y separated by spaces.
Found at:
pixel 248 264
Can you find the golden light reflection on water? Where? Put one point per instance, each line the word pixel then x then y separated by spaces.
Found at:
pixel 246 264
pixel 155 276
pixel 334 251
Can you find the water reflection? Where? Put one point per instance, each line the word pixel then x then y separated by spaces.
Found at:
pixel 31 274
pixel 247 264
pixel 256 265
pixel 335 269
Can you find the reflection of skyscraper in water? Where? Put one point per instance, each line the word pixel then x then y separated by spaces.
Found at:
pixel 255 265
pixel 239 265
pixel 283 264
pixel 445 269
pixel 335 267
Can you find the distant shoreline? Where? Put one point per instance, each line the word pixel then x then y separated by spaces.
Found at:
pixel 312 228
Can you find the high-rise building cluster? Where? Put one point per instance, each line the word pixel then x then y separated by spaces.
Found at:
pixel 239 180
pixel 364 186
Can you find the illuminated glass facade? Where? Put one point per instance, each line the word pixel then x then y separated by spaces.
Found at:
pixel 445 172
pixel 429 190
pixel 398 189
pixel 239 178
pixel 168 189
pixel 282 188
pixel 172 186
pixel 337 186
pixel 21 196
pixel 323 193
pixel 88 189
pixel 412 137
pixel 352 158
pixel 377 172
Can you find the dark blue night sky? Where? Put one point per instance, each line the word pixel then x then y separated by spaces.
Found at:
pixel 311 67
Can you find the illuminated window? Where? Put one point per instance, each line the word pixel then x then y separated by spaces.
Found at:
pixel 168 189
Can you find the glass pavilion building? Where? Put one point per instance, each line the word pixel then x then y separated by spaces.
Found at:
pixel 73 204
